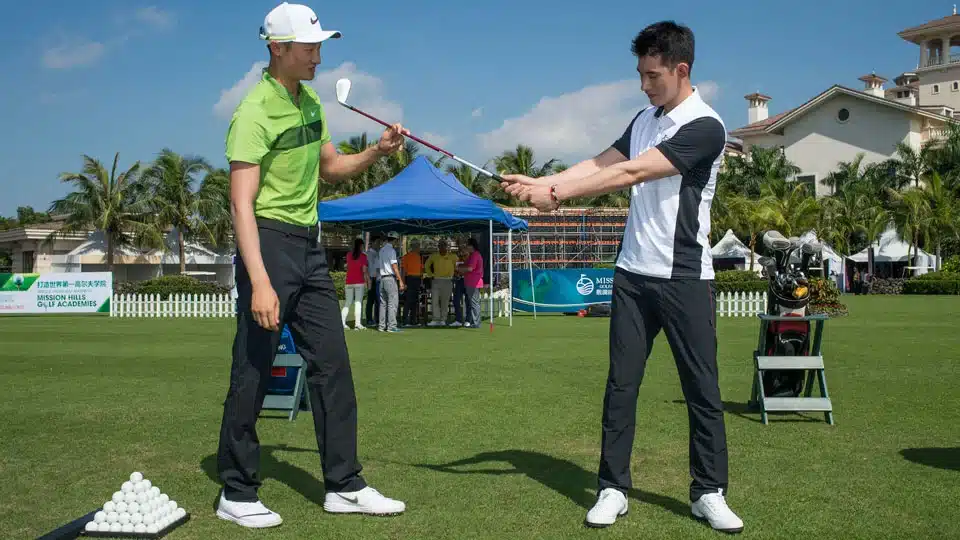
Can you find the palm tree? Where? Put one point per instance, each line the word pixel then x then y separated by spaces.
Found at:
pixel 751 216
pixel 789 207
pixel 911 165
pixel 746 175
pixel 112 202
pixel 522 161
pixel 944 218
pixel 215 208
pixel 176 204
pixel 911 213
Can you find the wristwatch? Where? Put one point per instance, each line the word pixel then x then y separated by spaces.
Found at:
pixel 553 195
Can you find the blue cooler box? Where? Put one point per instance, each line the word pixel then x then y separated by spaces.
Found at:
pixel 284 380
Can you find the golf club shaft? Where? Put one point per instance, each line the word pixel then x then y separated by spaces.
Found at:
pixel 428 145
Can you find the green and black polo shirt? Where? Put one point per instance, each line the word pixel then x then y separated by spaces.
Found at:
pixel 268 129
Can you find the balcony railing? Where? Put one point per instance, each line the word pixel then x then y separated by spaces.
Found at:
pixel 933 62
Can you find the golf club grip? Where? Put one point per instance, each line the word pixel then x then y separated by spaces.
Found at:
pixel 480 170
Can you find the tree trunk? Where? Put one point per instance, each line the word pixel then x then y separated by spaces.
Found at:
pixel 183 262
pixel 936 265
pixel 753 249
pixel 109 252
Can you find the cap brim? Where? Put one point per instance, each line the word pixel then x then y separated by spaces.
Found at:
pixel 319 36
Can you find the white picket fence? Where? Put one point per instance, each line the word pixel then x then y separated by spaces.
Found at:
pixel 741 304
pixel 737 304
pixel 177 305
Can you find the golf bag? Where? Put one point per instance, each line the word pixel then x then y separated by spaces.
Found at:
pixel 788 295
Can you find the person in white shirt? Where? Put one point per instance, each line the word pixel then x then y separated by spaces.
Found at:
pixel 373 294
pixel 391 284
pixel 668 158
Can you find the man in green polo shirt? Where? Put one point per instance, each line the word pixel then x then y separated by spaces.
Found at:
pixel 278 146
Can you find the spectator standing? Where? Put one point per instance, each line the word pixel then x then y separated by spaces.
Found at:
pixel 412 267
pixel 391 284
pixel 440 267
pixel 373 296
pixel 472 270
pixel 358 279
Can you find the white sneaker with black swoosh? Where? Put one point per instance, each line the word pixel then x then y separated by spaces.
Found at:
pixel 253 515
pixel 365 501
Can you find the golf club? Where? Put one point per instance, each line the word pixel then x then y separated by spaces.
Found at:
pixel 343 90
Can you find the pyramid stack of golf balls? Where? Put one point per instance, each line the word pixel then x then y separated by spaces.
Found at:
pixel 139 507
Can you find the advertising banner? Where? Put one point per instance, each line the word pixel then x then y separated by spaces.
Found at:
pixel 80 292
pixel 562 291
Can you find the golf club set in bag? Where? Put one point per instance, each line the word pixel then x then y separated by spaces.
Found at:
pixel 787 265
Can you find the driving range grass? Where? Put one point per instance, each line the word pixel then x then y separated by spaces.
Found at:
pixel 87 400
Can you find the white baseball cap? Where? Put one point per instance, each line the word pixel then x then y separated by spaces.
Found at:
pixel 294 22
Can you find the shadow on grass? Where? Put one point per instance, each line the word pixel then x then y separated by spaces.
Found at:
pixel 563 476
pixel 301 481
pixel 941 458
pixel 742 410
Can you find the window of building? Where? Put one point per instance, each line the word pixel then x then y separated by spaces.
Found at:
pixel 810 180
pixel 955 86
pixel 843 115
pixel 936 89
pixel 26 262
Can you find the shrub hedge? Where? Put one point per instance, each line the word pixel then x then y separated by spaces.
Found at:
pixel 825 299
pixel 942 282
pixel 739 281
pixel 887 285
pixel 169 285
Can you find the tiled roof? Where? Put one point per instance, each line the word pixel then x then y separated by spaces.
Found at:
pixel 946 21
pixel 758 127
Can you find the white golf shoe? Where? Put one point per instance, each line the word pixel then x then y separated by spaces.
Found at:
pixel 610 505
pixel 712 507
pixel 365 501
pixel 253 515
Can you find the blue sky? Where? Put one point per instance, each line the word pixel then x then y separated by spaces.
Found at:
pixel 100 77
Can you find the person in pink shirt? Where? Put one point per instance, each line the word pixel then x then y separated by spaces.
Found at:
pixel 358 279
pixel 472 271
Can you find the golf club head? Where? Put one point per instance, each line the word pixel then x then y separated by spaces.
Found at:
pixel 812 248
pixel 343 90
pixel 775 241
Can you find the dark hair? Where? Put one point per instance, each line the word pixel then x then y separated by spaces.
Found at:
pixel 357 248
pixel 473 243
pixel 672 42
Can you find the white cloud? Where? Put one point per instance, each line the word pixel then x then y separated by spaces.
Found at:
pixel 477 113
pixel 73 54
pixel 434 138
pixel 366 94
pixel 154 16
pixel 709 90
pixel 573 125
pixel 576 125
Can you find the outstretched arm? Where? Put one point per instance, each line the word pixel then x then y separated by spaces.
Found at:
pixel 336 167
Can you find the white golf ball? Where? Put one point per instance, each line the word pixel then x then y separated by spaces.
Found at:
pixel 92 526
pixel 136 477
pixel 136 518
pixel 121 507
pixel 164 498
pixel 181 513
pixel 116 527
pixel 147 484
pixel 117 497
pixel 127 527
pixel 172 505
pixel 100 517
pixel 154 492
pixel 143 497
pixel 127 487
pixel 129 497
pixel 152 529
pixel 124 518
pixel 149 519
pixel 112 517
pixel 133 508
pixel 104 527
pixel 139 528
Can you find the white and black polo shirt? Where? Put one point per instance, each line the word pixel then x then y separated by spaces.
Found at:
pixel 669 223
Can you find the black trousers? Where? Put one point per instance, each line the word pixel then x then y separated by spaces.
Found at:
pixel 297 267
pixel 411 300
pixel 373 302
pixel 685 310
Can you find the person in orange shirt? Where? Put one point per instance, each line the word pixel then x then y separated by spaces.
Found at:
pixel 411 265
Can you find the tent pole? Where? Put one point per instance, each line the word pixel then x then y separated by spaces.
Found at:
pixel 510 271
pixel 491 275
pixel 533 291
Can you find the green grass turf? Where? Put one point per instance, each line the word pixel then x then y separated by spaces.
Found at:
pixel 87 400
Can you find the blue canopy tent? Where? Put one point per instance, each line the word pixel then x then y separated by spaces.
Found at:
pixel 422 199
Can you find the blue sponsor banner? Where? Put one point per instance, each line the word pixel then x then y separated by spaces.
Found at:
pixel 562 291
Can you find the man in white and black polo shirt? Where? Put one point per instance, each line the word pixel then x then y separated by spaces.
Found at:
pixel 668 157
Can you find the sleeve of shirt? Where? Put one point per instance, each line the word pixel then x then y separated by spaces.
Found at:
pixel 695 143
pixel 622 144
pixel 247 138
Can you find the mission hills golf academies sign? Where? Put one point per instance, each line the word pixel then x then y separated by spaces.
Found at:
pixel 81 292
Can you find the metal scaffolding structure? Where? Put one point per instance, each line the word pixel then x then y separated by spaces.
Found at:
pixel 567 238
